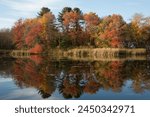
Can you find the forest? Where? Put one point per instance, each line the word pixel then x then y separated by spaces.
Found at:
pixel 73 29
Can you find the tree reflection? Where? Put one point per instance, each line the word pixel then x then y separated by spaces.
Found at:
pixel 69 86
pixel 28 73
pixel 6 66
pixel 75 78
pixel 139 72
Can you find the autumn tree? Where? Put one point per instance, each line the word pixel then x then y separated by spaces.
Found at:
pixel 145 33
pixel 6 41
pixel 61 19
pixel 139 30
pixel 72 22
pixel 18 33
pixel 36 34
pixel 72 19
pixel 134 30
pixel 49 30
pixel 74 28
pixel 43 11
pixel 91 25
pixel 111 31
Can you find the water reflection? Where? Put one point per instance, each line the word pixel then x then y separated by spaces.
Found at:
pixel 74 79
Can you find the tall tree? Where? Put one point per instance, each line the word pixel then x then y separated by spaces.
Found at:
pixel 61 19
pixel 91 25
pixel 18 33
pixel 43 11
pixel 72 22
pixel 49 30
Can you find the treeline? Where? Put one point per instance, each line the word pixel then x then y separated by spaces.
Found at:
pixel 6 41
pixel 73 28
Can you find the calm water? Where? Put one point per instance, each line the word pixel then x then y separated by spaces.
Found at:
pixel 43 78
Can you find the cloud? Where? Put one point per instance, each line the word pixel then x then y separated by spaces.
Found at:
pixel 6 22
pixel 27 5
pixel 12 10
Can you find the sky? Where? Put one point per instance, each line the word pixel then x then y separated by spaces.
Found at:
pixel 12 10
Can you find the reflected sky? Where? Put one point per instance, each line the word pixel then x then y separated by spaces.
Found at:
pixel 9 91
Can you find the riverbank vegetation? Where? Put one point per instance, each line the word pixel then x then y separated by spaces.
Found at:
pixel 73 29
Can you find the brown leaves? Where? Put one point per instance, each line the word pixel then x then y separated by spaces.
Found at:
pixel 71 19
pixel 91 19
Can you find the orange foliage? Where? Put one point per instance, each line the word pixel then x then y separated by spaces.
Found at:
pixel 71 19
pixel 29 32
pixel 26 74
pixel 18 33
pixel 36 59
pixel 36 49
pixel 112 29
pixel 33 34
pixel 91 19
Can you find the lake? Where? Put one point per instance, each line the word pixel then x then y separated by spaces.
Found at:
pixel 37 77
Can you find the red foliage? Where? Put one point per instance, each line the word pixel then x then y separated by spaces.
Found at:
pixel 18 32
pixel 33 34
pixel 91 19
pixel 36 59
pixel 113 75
pixel 115 43
pixel 112 30
pixel 36 49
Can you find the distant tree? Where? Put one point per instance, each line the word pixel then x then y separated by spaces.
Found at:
pixel 138 19
pixel 6 41
pixel 139 30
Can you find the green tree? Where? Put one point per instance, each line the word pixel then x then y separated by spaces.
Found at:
pixel 61 19
pixel 43 11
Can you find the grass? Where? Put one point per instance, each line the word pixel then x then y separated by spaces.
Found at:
pixel 87 53
pixel 100 54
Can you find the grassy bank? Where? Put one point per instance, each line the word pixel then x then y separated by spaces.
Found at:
pixel 99 52
pixel 86 53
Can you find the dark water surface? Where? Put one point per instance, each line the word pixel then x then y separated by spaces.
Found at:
pixel 38 77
